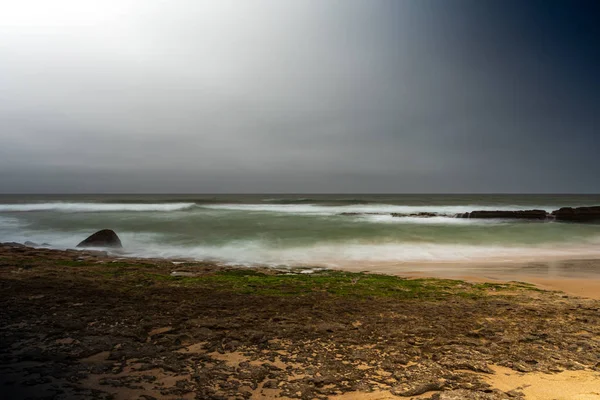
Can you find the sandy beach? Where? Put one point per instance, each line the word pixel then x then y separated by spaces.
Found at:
pixel 82 324
pixel 578 277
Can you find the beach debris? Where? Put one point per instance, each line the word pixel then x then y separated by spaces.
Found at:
pixel 103 238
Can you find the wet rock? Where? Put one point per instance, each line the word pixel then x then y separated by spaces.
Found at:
pixel 579 214
pixel 467 364
pixel 329 327
pixel 31 244
pixel 501 214
pixel 419 215
pixel 15 246
pixel 271 384
pixel 462 394
pixel 417 388
pixel 521 367
pixel 103 238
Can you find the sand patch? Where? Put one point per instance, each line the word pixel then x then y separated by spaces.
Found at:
pixel 589 288
pixel 376 395
pixel 567 385
pixel 232 359
pixel 196 348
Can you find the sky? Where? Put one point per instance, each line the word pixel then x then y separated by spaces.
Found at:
pixel 299 96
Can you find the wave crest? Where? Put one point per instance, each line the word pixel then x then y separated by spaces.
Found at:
pixel 318 209
pixel 95 207
pixel 324 202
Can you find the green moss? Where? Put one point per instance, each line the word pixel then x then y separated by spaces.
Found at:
pixel 506 286
pixel 333 283
pixel 70 263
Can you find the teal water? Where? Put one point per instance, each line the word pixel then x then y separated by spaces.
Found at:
pixel 300 229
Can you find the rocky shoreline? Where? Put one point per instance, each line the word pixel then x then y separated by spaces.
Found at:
pixel 80 324
pixel 564 214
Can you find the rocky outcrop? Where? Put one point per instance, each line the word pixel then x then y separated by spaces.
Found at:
pixel 420 215
pixel 575 214
pixel 578 214
pixel 103 238
pixel 501 214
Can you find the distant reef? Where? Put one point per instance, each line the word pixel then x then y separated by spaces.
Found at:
pixel 565 214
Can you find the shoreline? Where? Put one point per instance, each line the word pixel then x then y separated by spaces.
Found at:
pixel 578 276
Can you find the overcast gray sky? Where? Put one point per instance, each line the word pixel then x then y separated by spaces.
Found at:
pixel 299 96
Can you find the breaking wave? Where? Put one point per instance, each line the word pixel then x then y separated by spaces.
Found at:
pixel 95 207
pixel 309 200
pixel 341 254
pixel 316 209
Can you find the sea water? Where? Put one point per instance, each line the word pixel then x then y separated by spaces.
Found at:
pixel 303 229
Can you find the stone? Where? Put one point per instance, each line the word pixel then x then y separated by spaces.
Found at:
pixel 577 214
pixel 417 388
pixel 271 384
pixel 419 215
pixel 501 214
pixel 103 238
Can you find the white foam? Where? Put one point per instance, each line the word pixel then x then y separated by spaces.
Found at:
pixel 339 254
pixel 10 223
pixel 264 252
pixel 368 208
pixel 95 207
pixel 439 220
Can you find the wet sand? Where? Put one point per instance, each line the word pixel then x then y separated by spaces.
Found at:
pixel 578 277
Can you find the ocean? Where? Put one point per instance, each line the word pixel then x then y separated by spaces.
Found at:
pixel 303 229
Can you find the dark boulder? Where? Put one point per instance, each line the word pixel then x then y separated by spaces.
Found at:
pixel 500 214
pixel 424 214
pixel 103 238
pixel 31 244
pixel 580 214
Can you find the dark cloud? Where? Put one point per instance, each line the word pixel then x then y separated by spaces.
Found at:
pixel 299 96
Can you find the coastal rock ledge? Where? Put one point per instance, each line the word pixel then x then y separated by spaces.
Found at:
pixel 103 238
pixel 500 214
pixel 577 214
